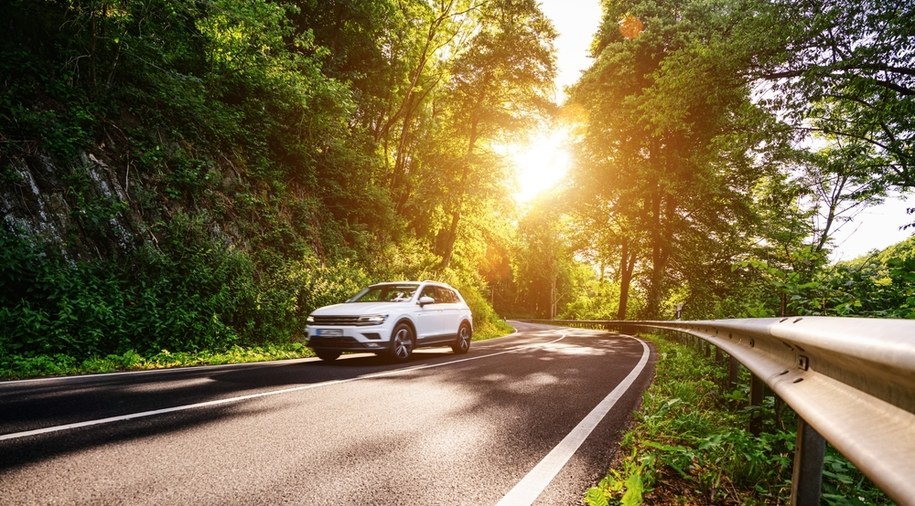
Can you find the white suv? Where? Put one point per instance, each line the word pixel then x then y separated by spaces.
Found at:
pixel 392 319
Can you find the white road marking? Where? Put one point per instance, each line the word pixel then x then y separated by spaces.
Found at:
pixel 231 400
pixel 526 491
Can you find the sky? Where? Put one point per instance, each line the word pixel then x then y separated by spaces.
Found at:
pixel 576 21
pixel 875 228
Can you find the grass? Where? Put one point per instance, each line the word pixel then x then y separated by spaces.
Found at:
pixel 491 329
pixel 19 367
pixel 690 444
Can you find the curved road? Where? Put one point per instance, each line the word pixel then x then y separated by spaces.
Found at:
pixel 529 418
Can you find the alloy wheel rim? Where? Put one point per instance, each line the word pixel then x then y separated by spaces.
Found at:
pixel 401 344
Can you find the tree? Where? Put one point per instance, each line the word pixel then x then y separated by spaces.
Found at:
pixel 500 84
pixel 847 70
pixel 672 135
pixel 837 188
pixel 543 266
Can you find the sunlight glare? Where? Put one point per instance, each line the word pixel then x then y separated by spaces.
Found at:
pixel 540 164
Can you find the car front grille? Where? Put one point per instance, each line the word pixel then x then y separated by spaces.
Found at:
pixel 339 321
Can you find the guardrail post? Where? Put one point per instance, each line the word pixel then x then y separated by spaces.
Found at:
pixel 733 372
pixel 807 478
pixel 757 391
pixel 780 411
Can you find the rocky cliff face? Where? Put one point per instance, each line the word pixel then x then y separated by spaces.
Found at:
pixel 83 208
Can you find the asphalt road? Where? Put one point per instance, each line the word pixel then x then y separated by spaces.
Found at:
pixel 532 417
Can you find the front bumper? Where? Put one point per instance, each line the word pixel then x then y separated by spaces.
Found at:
pixel 339 338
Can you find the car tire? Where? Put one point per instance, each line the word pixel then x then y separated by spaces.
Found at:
pixel 401 343
pixel 462 344
pixel 328 355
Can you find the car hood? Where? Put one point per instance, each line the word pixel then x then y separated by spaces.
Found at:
pixel 358 308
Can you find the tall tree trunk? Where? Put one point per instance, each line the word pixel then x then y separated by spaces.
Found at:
pixel 832 201
pixel 627 265
pixel 458 199
pixel 399 186
pixel 451 237
pixel 554 298
pixel 654 278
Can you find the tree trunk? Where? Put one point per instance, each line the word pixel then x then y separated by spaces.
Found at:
pixel 451 238
pixel 627 264
pixel 458 199
pixel 654 279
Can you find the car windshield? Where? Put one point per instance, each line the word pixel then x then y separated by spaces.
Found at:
pixel 401 292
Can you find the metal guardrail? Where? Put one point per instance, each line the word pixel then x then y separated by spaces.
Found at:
pixel 852 380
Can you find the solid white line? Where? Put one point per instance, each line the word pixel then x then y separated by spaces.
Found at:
pixel 526 491
pixel 231 400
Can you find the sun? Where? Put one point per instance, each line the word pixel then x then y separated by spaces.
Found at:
pixel 541 163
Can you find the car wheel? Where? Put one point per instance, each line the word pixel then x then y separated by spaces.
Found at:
pixel 328 355
pixel 401 343
pixel 462 345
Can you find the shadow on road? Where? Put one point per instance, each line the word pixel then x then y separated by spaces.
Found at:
pixel 537 372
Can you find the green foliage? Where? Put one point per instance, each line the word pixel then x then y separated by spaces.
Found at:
pixel 670 148
pixel 150 301
pixel 694 170
pixel 239 171
pixel 17 366
pixel 859 91
pixel 543 266
pixel 600 301
pixel 192 294
pixel 879 285
pixel 626 485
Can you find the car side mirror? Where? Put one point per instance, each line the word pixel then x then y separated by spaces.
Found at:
pixel 425 299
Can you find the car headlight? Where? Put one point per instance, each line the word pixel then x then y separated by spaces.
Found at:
pixel 310 319
pixel 372 319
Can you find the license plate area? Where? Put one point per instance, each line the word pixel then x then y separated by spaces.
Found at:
pixel 329 332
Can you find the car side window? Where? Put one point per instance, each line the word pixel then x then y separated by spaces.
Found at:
pixel 445 295
pixel 440 294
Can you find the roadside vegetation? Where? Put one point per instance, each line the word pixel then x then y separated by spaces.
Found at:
pixel 689 443
pixel 198 176
pixel 20 367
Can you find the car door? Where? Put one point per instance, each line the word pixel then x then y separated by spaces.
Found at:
pixel 450 317
pixel 428 317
